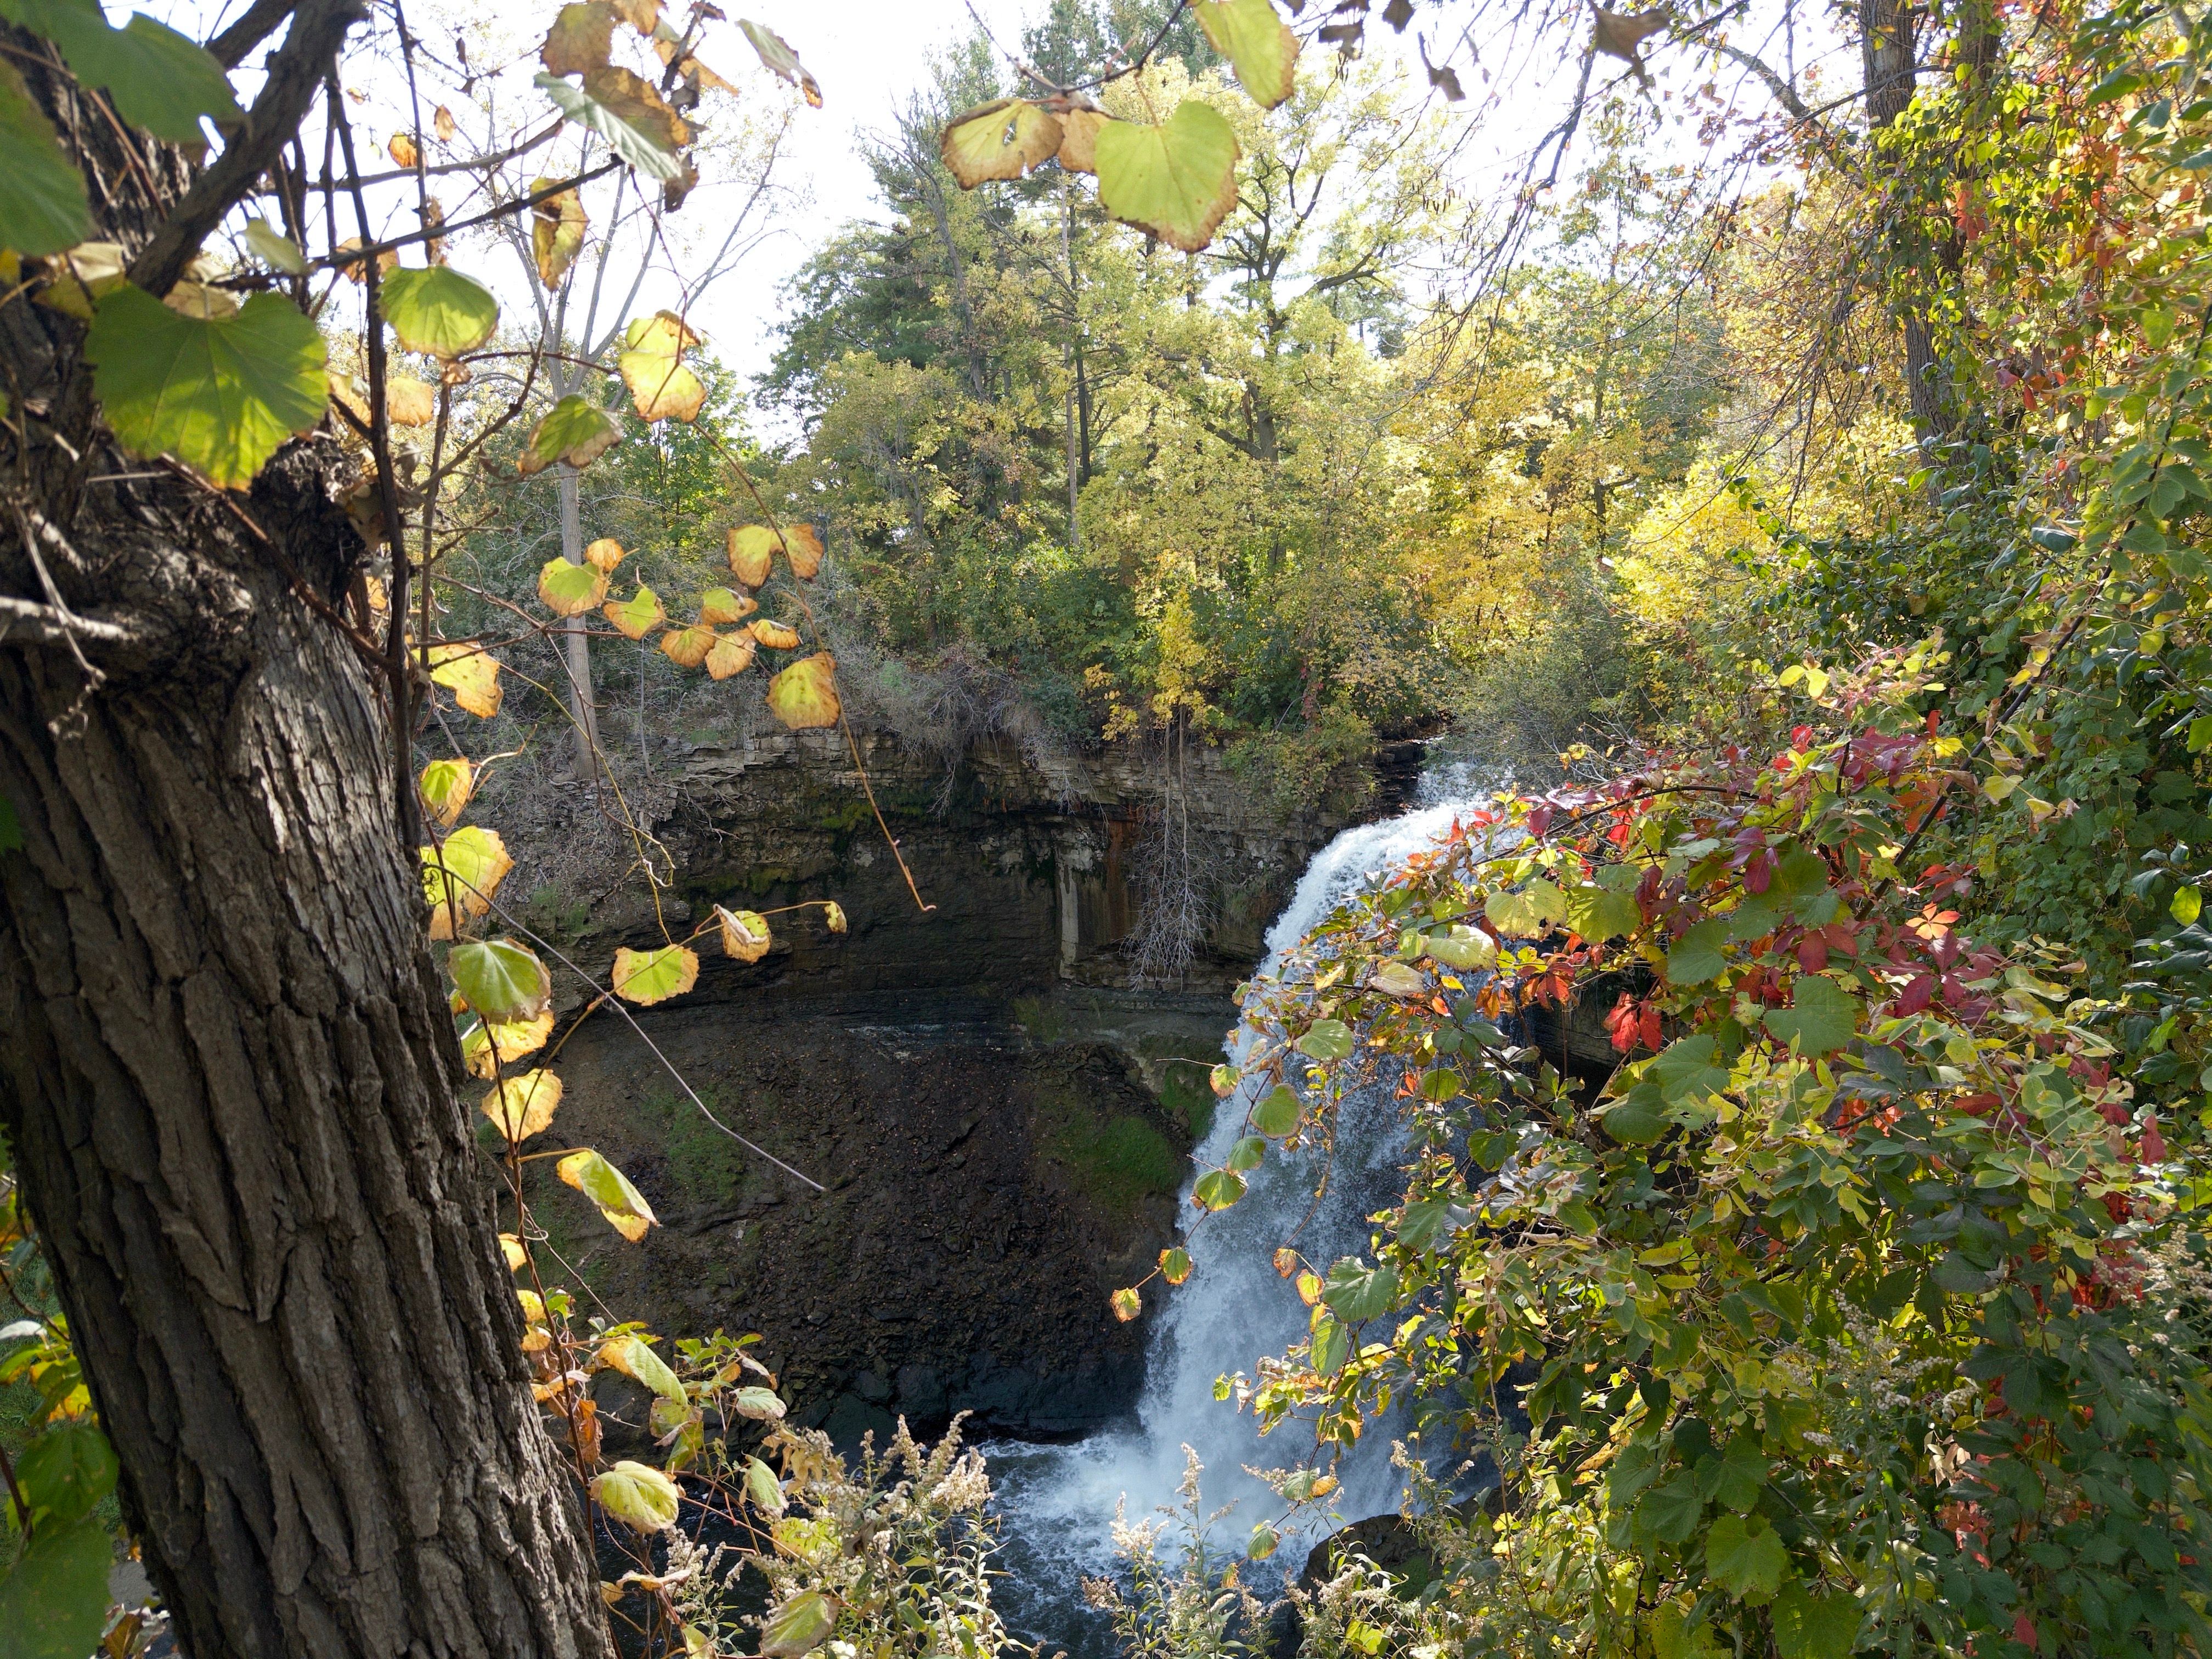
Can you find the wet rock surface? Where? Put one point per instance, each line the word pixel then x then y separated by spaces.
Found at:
pixel 988 1182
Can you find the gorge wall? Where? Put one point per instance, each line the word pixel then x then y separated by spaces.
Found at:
pixel 1000 1115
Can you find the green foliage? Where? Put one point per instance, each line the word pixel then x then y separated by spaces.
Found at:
pixel 219 393
pixel 42 199
pixel 1117 1161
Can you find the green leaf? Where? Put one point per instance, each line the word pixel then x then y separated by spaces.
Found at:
pixel 2188 904
pixel 643 132
pixel 502 979
pixel 43 208
pixel 1216 1189
pixel 1277 1112
pixel 1256 42
pixel 1467 949
pixel 637 1496
pixel 444 787
pixel 1246 1154
pixel 1734 1480
pixel 1529 911
pixel 1822 1018
pixel 1264 1543
pixel 1395 979
pixel 275 248
pixel 1356 1293
pixel 1686 1070
pixel 799 1625
pixel 1598 914
pixel 1800 876
pixel 439 311
pixel 159 80
pixel 635 1359
pixel 621 1204
pixel 575 430
pixel 65 1471
pixel 1331 1340
pixel 1697 956
pixel 761 1486
pixel 53 1600
pixel 1176 180
pixel 1672 1512
pixel 1744 1556
pixel 1639 1118
pixel 761 1404
pixel 218 393
pixel 1325 1040
pixel 1808 1626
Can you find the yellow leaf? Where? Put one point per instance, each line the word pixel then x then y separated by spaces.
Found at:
pixel 410 402
pixel 460 875
pixel 556 231
pixel 639 15
pixel 805 694
pixel 442 124
pixel 79 278
pixel 637 616
pixel 639 1497
pixel 1003 139
pixel 511 1248
pixel 471 674
pixel 719 607
pixel 733 654
pixel 356 270
pixel 652 364
pixel 687 648
pixel 570 590
pixel 444 787
pixel 833 913
pixel 1261 46
pixel 751 546
pixel 802 545
pixel 404 153
pixel 520 1107
pixel 777 636
pixel 578 41
pixel 745 933
pixel 1078 139
pixel 604 553
pixel 1126 1304
pixel 621 1204
pixel 489 1045
pixel 646 977
pixel 191 299
pixel 1175 178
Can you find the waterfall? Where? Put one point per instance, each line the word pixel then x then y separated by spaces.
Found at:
pixel 1056 1502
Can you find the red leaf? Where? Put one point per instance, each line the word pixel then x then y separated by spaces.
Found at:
pixel 1917 995
pixel 1801 736
pixel 2154 1143
pixel 1648 1028
pixel 1812 953
pixel 2023 1630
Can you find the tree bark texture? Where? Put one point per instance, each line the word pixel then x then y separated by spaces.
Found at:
pixel 227 1070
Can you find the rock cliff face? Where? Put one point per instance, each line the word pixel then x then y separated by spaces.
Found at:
pixel 1033 866
pixel 998 1115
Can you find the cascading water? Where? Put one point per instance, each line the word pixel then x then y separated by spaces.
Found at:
pixel 1056 1502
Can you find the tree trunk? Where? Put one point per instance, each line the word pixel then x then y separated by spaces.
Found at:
pixel 576 643
pixel 1886 51
pixel 228 1073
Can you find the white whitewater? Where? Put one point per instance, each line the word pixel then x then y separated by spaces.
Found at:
pixel 1057 1502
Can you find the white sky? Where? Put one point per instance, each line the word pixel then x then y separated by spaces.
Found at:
pixel 869 55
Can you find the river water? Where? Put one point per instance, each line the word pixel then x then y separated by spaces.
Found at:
pixel 1056 1502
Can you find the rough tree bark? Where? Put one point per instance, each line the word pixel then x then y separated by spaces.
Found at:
pixel 228 1074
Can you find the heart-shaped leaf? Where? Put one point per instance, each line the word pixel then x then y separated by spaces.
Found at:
pixel 621 1204
pixel 646 977
pixel 520 1107
pixel 439 311
pixel 574 431
pixel 43 206
pixel 570 590
pixel 218 393
pixel 1821 1017
pixel 1257 43
pixel 1176 180
pixel 805 695
pixel 501 979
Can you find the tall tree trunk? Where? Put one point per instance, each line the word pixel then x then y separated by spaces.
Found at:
pixel 575 643
pixel 1886 45
pixel 228 1073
